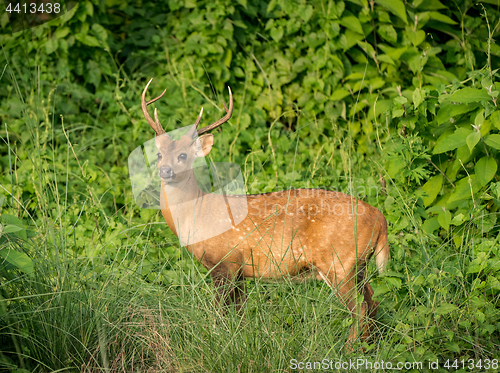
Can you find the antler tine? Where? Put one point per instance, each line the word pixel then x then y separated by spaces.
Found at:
pixel 224 119
pixel 198 119
pixel 155 125
pixel 157 121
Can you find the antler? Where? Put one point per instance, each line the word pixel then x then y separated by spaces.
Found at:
pixel 155 124
pixel 157 127
pixel 224 119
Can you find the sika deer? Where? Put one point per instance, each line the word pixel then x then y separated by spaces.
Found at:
pixel 281 233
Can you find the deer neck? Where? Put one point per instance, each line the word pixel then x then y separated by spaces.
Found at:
pixel 179 201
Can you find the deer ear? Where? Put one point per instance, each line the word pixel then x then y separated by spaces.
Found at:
pixel 204 144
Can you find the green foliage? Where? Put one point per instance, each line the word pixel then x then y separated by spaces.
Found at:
pixel 327 94
pixel 12 234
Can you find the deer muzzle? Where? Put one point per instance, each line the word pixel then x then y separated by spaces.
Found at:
pixel 166 173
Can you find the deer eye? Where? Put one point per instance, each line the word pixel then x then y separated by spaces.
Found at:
pixel 159 155
pixel 182 157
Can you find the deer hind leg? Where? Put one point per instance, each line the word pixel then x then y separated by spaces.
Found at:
pixel 372 307
pixel 348 295
pixel 347 292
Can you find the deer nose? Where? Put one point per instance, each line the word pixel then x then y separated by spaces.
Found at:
pixel 166 172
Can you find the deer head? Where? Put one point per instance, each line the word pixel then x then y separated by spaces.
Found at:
pixel 176 157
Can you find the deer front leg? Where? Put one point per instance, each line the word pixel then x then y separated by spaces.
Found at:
pixel 229 288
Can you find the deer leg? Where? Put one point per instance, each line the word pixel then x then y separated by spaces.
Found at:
pixel 238 294
pixel 345 286
pixel 348 295
pixel 372 307
pixel 229 288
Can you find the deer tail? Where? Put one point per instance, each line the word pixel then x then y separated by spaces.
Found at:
pixel 382 251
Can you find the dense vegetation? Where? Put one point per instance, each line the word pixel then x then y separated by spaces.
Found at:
pixel 392 101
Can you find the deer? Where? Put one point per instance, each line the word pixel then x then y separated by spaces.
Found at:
pixel 270 235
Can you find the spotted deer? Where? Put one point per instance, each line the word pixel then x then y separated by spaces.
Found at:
pixel 270 235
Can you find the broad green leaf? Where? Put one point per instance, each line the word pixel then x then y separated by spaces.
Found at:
pixel 351 22
pixel 452 141
pixel 393 281
pixel 485 127
pixel 416 37
pixel 398 113
pixel 11 229
pixel 388 33
pixel 352 38
pixel 88 40
pixel 307 13
pixel 380 290
pixel 395 166
pixel 363 3
pixel 386 58
pixel 432 189
pixel 464 189
pixel 93 73
pixel 441 18
pixel 479 120
pixel 339 94
pixel 100 32
pixel 89 8
pixel 445 308
pixel 495 118
pixel 493 141
pixel 51 46
pixel 396 7
pixel 15 221
pixel 430 225
pixel 463 153
pixel 367 48
pixel 430 5
pixel 485 169
pixel 394 53
pixel 418 97
pixel 228 57
pixel 473 139
pixel 376 83
pixel 381 106
pixel 444 219
pixel 469 94
pixel 17 259
pixel 400 100
pixel 62 32
pixel 277 33
pixel 458 219
pixel 453 346
pixel 449 110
